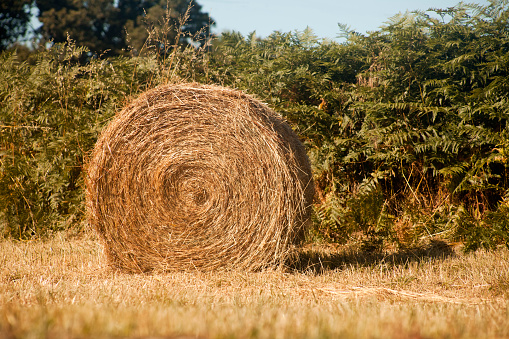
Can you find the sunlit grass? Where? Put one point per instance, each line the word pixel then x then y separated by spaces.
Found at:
pixel 62 288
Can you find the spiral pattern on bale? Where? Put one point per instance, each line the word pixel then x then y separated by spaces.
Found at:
pixel 192 176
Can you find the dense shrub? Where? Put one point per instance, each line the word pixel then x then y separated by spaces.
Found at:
pixel 53 106
pixel 406 126
pixel 52 109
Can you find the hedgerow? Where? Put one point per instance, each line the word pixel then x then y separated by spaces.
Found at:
pixel 52 108
pixel 406 126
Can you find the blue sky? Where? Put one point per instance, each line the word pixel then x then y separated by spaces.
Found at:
pixel 266 16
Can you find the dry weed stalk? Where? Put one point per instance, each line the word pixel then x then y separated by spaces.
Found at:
pixel 384 292
pixel 191 176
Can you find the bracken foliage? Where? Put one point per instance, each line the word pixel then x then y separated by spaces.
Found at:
pixel 52 109
pixel 406 126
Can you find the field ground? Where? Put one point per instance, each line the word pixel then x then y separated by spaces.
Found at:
pixel 62 288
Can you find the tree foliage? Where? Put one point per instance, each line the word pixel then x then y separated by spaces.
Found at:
pixel 118 25
pixel 14 20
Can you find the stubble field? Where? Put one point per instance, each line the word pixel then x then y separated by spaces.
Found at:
pixel 63 288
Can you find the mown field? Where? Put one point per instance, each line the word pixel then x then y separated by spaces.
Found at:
pixel 407 130
pixel 63 288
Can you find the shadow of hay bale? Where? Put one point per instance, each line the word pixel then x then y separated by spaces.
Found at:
pixel 191 176
pixel 318 261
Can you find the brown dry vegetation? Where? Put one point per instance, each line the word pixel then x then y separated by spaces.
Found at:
pixel 62 288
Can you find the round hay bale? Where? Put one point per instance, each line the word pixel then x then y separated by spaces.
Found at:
pixel 191 176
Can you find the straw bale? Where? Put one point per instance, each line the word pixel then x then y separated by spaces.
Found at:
pixel 192 176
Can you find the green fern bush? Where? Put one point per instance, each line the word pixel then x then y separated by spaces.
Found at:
pixel 406 127
pixel 52 108
pixel 411 143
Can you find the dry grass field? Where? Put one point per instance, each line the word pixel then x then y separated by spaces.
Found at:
pixel 62 288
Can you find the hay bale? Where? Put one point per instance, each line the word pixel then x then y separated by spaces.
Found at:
pixel 191 176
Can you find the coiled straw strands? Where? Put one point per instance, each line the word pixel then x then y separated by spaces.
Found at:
pixel 191 176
